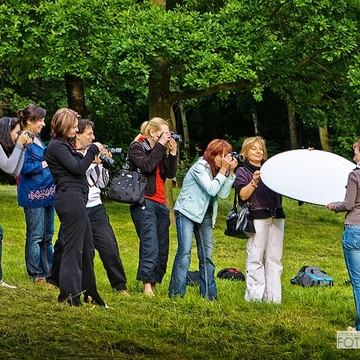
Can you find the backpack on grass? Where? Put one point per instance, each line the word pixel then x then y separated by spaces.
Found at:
pixel 312 276
pixel 231 274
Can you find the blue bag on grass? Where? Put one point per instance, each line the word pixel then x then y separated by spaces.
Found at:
pixel 312 276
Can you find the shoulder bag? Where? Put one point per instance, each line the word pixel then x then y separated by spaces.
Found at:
pixel 128 186
pixel 239 222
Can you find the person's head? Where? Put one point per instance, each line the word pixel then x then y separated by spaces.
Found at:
pixel 214 153
pixel 9 128
pixel 356 148
pixel 85 135
pixel 64 124
pixel 152 129
pixel 253 150
pixel 32 118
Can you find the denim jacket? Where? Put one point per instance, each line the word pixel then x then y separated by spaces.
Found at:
pixel 201 190
pixel 36 187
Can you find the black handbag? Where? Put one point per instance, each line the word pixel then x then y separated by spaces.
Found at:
pixel 128 186
pixel 239 223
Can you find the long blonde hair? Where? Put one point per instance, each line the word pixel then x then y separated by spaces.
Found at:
pixel 249 142
pixel 152 124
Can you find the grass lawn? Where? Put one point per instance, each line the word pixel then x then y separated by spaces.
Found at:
pixel 33 325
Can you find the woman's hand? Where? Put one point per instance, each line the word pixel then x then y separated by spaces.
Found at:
pixel 172 146
pixel 330 206
pixel 256 177
pixel 226 162
pixel 165 138
pixel 24 139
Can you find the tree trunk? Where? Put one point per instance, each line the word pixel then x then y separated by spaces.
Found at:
pixel 324 138
pixel 292 128
pixel 159 89
pixel 255 120
pixel 75 94
pixel 185 131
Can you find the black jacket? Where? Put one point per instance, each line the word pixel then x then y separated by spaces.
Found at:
pixel 68 167
pixel 142 156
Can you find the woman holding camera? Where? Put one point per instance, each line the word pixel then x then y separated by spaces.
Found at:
pixel 68 168
pixel 210 178
pixel 151 219
pixel 263 281
pixel 12 150
pixel 36 194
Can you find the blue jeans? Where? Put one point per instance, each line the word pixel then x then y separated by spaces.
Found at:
pixel 351 248
pixel 1 239
pixel 38 247
pixel 205 244
pixel 152 223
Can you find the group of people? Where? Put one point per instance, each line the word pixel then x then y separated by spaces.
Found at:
pixel 67 177
pixel 70 168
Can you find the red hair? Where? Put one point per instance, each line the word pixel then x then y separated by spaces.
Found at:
pixel 216 147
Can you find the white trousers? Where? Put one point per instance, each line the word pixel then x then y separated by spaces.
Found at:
pixel 263 282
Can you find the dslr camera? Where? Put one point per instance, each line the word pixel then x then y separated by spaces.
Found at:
pixel 31 136
pixel 114 151
pixel 107 161
pixel 176 137
pixel 237 156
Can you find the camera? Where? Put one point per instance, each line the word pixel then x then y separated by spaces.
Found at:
pixel 31 136
pixel 114 151
pixel 106 161
pixel 176 137
pixel 237 156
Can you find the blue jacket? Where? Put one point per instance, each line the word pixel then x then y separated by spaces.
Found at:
pixel 36 187
pixel 200 189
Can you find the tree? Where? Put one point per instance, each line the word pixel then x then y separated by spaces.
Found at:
pixel 305 51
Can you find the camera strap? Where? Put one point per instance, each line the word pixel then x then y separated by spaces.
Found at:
pixel 93 175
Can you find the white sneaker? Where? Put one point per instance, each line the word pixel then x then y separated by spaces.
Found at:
pixel 4 284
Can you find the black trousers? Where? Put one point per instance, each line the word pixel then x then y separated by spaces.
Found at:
pixel 76 273
pixel 104 242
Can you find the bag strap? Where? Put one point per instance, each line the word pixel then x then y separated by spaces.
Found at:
pixel 126 165
pixel 237 199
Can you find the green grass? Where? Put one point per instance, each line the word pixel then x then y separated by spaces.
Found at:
pixel 33 325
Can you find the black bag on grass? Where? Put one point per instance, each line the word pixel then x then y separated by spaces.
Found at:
pixel 231 274
pixel 312 276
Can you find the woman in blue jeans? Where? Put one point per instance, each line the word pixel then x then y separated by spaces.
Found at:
pixel 36 194
pixel 212 176
pixel 351 235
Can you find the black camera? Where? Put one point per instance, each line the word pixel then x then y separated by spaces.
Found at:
pixel 176 137
pixel 114 151
pixel 106 161
pixel 31 136
pixel 237 156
